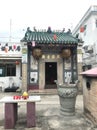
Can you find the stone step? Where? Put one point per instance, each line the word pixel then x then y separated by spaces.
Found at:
pixel 45 91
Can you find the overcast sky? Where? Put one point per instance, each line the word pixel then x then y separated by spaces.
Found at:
pixel 17 15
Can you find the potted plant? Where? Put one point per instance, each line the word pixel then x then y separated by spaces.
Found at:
pixel 67 96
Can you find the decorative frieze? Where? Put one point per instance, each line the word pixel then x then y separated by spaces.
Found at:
pixel 10 49
pixel 50 56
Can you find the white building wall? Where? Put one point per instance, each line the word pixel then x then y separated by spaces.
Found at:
pixel 12 54
pixel 89 36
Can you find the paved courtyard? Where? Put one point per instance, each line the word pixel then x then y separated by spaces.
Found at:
pixel 48 115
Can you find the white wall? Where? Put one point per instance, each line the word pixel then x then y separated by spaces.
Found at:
pixel 91 31
pixel 89 36
pixel 5 82
pixel 11 54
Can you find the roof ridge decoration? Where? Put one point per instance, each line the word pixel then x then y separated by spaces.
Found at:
pixel 49 36
pixel 49 30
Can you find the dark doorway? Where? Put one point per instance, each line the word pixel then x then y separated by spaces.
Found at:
pixel 50 74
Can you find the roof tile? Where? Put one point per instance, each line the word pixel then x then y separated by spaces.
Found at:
pixel 46 37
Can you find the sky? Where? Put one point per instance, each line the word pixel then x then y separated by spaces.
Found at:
pixel 17 15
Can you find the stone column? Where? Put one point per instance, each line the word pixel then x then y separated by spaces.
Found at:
pixel 24 77
pixel 79 63
pixel 24 66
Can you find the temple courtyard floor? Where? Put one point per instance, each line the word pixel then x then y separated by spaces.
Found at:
pixel 48 115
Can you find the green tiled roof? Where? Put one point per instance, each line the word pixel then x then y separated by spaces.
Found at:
pixel 49 37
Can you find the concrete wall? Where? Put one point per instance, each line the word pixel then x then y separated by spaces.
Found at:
pixel 5 81
pixel 90 99
pixel 80 85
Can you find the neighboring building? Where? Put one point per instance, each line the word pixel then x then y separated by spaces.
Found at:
pixel 48 56
pixel 10 65
pixel 90 94
pixel 86 31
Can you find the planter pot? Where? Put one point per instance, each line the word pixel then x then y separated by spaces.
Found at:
pixel 67 96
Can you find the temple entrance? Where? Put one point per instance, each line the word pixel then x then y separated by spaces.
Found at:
pixel 50 75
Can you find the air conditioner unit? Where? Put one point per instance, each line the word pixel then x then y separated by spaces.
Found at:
pixel 85 47
pixel 89 49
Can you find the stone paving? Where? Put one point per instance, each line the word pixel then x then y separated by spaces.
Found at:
pixel 48 115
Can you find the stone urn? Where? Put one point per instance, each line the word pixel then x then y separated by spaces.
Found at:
pixel 67 96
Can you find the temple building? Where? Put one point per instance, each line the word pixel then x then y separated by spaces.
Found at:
pixel 48 56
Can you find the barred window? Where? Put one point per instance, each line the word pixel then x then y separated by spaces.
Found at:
pixel 7 70
pixel 96 23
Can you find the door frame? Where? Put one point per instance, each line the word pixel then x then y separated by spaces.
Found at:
pixel 59 62
pixel 53 65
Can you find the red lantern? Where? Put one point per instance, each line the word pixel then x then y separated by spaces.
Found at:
pixel 37 53
pixel 14 47
pixel 81 29
pixel 17 62
pixel 65 53
pixel 54 37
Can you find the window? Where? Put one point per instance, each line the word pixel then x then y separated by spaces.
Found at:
pixel 96 23
pixel 7 70
pixel 11 70
pixel 88 83
pixel 85 28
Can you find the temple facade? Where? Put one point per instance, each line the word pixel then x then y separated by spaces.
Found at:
pixel 48 56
